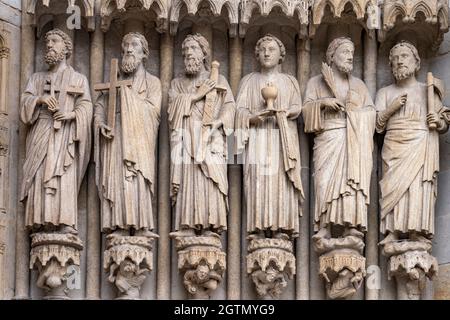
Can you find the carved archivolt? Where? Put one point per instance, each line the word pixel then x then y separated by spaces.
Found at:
pixel 88 6
pixel 216 7
pixel 110 9
pixel 264 7
pixel 337 7
pixel 434 12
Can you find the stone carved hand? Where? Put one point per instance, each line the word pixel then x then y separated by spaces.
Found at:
pixel 433 118
pixel 215 124
pixel 332 104
pixel 259 117
pixel 204 88
pixel 106 130
pixel 398 102
pixel 50 101
pixel 63 116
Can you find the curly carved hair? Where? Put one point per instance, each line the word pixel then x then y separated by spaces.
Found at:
pixel 67 40
pixel 270 37
pixel 334 45
pixel 204 45
pixel 411 47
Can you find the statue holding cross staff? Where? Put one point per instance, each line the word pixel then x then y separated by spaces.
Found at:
pixel 57 106
pixel 126 121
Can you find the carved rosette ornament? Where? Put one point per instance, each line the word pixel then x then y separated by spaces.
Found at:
pixel 203 263
pixel 128 259
pixel 341 265
pixel 270 263
pixel 410 263
pixel 52 254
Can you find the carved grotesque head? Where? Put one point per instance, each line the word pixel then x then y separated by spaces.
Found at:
pixel 404 60
pixel 340 53
pixel 134 51
pixel 202 272
pixel 59 47
pixel 196 54
pixel 270 51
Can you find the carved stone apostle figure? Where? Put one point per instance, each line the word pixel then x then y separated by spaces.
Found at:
pixel 57 106
pixel 410 151
pixel 268 105
pixel 412 115
pixel 125 157
pixel 201 114
pixel 338 109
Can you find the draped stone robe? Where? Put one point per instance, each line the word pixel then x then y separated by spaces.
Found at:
pixel 272 165
pixel 198 169
pixel 125 165
pixel 343 146
pixel 410 161
pixel 56 160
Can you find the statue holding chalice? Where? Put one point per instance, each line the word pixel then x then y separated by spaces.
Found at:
pixel 266 132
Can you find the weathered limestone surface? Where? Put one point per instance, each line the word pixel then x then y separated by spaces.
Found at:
pixel 218 261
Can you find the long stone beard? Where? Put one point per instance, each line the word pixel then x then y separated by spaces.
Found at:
pixel 192 66
pixel 402 73
pixel 129 64
pixel 52 57
pixel 346 68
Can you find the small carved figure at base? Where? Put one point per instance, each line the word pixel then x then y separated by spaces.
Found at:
pixel 410 263
pixel 341 264
pixel 128 259
pixel 51 254
pixel 271 263
pixel 203 262
pixel 201 281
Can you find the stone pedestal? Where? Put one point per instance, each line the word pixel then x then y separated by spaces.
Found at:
pixel 203 263
pixel 52 254
pixel 410 263
pixel 270 262
pixel 128 259
pixel 341 265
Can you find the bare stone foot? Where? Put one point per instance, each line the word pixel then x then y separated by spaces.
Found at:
pixel 255 236
pixel 183 233
pixel 322 233
pixel 209 233
pixel 69 230
pixel 145 232
pixel 353 232
pixel 281 235
pixel 120 232
pixel 391 237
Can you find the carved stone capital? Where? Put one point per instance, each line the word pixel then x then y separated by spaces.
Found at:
pixel 203 262
pixel 51 254
pixel 4 53
pixel 410 263
pixel 128 259
pixel 270 262
pixel 343 271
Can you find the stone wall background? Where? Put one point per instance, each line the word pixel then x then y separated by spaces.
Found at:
pixel 15 282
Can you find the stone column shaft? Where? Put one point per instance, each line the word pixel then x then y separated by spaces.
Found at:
pixel 370 78
pixel 93 244
pixel 235 183
pixel 22 240
pixel 164 209
pixel 302 248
